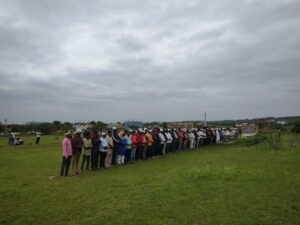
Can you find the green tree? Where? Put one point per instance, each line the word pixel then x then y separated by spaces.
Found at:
pixel 56 125
pixel 45 128
pixel 296 127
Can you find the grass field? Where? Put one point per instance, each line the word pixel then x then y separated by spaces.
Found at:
pixel 220 184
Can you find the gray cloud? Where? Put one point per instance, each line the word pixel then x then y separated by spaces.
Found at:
pixel 148 60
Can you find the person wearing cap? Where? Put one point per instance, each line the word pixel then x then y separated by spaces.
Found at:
pixel 128 147
pixel 77 144
pixel 66 154
pixel 87 149
pixel 149 143
pixel 110 149
pixel 103 149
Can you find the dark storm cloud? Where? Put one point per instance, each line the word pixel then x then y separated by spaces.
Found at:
pixel 148 60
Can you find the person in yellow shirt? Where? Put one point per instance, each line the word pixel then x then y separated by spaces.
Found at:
pixel 149 140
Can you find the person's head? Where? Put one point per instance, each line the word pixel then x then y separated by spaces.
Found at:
pixel 109 133
pixel 78 131
pixel 68 135
pixel 103 134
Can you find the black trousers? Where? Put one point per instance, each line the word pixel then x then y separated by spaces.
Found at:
pixel 161 147
pixel 95 159
pixel 127 155
pixel 169 146
pixel 114 155
pixel 155 148
pixel 85 158
pixel 149 151
pixel 65 165
pixel 102 159
pixel 37 140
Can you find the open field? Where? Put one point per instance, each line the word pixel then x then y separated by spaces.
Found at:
pixel 219 184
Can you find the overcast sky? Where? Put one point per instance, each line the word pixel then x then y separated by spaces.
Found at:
pixel 148 60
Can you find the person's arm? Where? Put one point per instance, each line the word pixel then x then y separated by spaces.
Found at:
pixel 64 148
pixel 114 138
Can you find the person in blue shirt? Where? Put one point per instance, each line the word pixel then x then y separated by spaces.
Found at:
pixel 121 149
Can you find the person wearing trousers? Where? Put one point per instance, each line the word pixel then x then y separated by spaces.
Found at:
pixel 128 147
pixel 77 144
pixel 87 149
pixel 66 154
pixel 103 149
pixel 95 151
pixel 110 149
pixel 116 139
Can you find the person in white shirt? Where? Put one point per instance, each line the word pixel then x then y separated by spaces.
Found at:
pixel 37 138
pixel 163 143
pixel 169 141
pixel 192 139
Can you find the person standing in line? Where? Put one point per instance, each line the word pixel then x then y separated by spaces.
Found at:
pixel 192 139
pixel 37 138
pixel 196 141
pixel 163 143
pixel 128 147
pixel 110 149
pixel 134 145
pixel 180 139
pixel 77 144
pixel 116 138
pixel 87 148
pixel 156 142
pixel 144 146
pixel 103 149
pixel 169 141
pixel 66 154
pixel 186 139
pixel 121 149
pixel 149 144
pixel 95 150
pixel 140 146
pixel 218 136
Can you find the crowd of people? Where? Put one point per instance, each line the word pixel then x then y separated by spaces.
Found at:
pixel 99 150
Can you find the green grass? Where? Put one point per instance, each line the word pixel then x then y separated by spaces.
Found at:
pixel 220 184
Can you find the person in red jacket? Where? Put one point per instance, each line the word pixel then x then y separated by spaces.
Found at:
pixel 140 145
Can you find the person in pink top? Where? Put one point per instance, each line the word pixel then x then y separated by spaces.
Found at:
pixel 66 154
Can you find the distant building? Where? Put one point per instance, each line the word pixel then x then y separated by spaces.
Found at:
pixel 82 126
pixel 282 122
pixel 133 124
pixel 187 125
pixel 249 130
